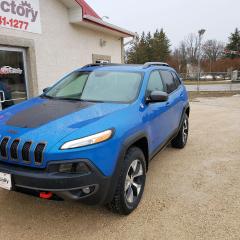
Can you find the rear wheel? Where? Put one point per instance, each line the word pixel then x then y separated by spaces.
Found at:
pixel 181 139
pixel 131 183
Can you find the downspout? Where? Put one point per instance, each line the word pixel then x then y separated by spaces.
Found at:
pixel 125 44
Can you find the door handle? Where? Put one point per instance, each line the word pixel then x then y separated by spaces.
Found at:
pixel 167 103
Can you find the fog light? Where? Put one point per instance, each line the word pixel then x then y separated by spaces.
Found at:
pixel 86 190
pixel 66 168
pixel 80 168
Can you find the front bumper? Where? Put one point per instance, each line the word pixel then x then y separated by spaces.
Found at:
pixel 63 185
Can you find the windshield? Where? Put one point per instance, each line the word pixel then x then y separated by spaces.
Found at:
pixel 102 86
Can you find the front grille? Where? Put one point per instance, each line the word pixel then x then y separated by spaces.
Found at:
pixel 38 153
pixel 26 151
pixel 3 147
pixel 28 154
pixel 14 149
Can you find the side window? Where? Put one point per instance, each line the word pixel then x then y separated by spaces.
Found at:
pixel 169 81
pixel 176 79
pixel 155 83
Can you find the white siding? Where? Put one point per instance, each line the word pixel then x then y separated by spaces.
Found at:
pixel 62 46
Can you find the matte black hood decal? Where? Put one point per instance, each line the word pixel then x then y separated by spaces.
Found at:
pixel 43 113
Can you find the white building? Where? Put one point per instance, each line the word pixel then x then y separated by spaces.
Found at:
pixel 40 40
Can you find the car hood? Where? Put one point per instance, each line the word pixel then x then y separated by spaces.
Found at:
pixel 42 119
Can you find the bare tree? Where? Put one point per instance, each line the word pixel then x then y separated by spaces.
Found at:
pixel 192 48
pixel 187 52
pixel 213 50
pixel 180 54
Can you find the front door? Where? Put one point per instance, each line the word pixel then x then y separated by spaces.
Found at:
pixel 13 76
pixel 159 127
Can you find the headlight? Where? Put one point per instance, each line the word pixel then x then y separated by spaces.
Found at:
pixel 93 139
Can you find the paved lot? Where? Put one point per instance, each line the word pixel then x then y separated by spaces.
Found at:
pixel 190 194
pixel 215 87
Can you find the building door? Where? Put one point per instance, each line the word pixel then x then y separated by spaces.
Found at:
pixel 13 76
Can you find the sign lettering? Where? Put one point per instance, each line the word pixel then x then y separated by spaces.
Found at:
pixel 20 15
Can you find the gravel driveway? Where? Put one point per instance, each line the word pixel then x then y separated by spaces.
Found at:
pixel 190 194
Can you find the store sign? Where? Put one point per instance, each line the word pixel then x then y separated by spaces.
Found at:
pixel 20 15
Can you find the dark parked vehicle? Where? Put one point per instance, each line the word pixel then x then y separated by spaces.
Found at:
pixel 5 93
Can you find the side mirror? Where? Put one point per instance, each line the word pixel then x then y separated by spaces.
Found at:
pixel 157 96
pixel 46 89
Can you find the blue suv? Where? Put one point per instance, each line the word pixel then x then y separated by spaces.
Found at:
pixel 91 136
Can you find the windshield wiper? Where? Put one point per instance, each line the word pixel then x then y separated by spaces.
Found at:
pixel 47 96
pixel 60 98
pixel 69 99
pixel 94 101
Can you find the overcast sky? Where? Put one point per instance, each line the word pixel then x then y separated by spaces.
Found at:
pixel 177 17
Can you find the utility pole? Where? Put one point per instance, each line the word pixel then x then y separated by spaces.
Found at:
pixel 200 35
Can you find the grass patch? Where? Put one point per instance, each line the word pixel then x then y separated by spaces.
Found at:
pixel 188 82
pixel 193 95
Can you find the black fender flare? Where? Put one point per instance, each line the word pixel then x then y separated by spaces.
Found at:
pixel 187 106
pixel 114 179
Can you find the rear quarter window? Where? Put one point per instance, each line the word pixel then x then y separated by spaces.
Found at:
pixel 169 81
pixel 176 79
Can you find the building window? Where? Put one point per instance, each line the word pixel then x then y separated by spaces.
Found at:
pixel 101 58
pixel 13 82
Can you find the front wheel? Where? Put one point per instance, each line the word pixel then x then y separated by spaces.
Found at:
pixel 131 183
pixel 181 139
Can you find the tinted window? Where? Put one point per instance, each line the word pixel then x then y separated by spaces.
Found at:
pixel 155 82
pixel 176 79
pixel 169 81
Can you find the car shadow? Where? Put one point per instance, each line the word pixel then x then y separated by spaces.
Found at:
pixel 27 210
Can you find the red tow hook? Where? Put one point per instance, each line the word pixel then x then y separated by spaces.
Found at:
pixel 45 195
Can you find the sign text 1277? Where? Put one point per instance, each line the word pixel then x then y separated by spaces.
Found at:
pixel 4 21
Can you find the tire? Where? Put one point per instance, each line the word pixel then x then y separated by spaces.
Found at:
pixel 129 189
pixel 181 139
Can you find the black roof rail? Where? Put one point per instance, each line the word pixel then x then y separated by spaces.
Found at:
pixel 149 64
pixel 101 64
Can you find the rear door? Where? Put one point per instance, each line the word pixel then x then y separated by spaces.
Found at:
pixel 173 88
pixel 180 89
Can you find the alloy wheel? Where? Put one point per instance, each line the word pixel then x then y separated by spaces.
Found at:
pixel 134 181
pixel 185 130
